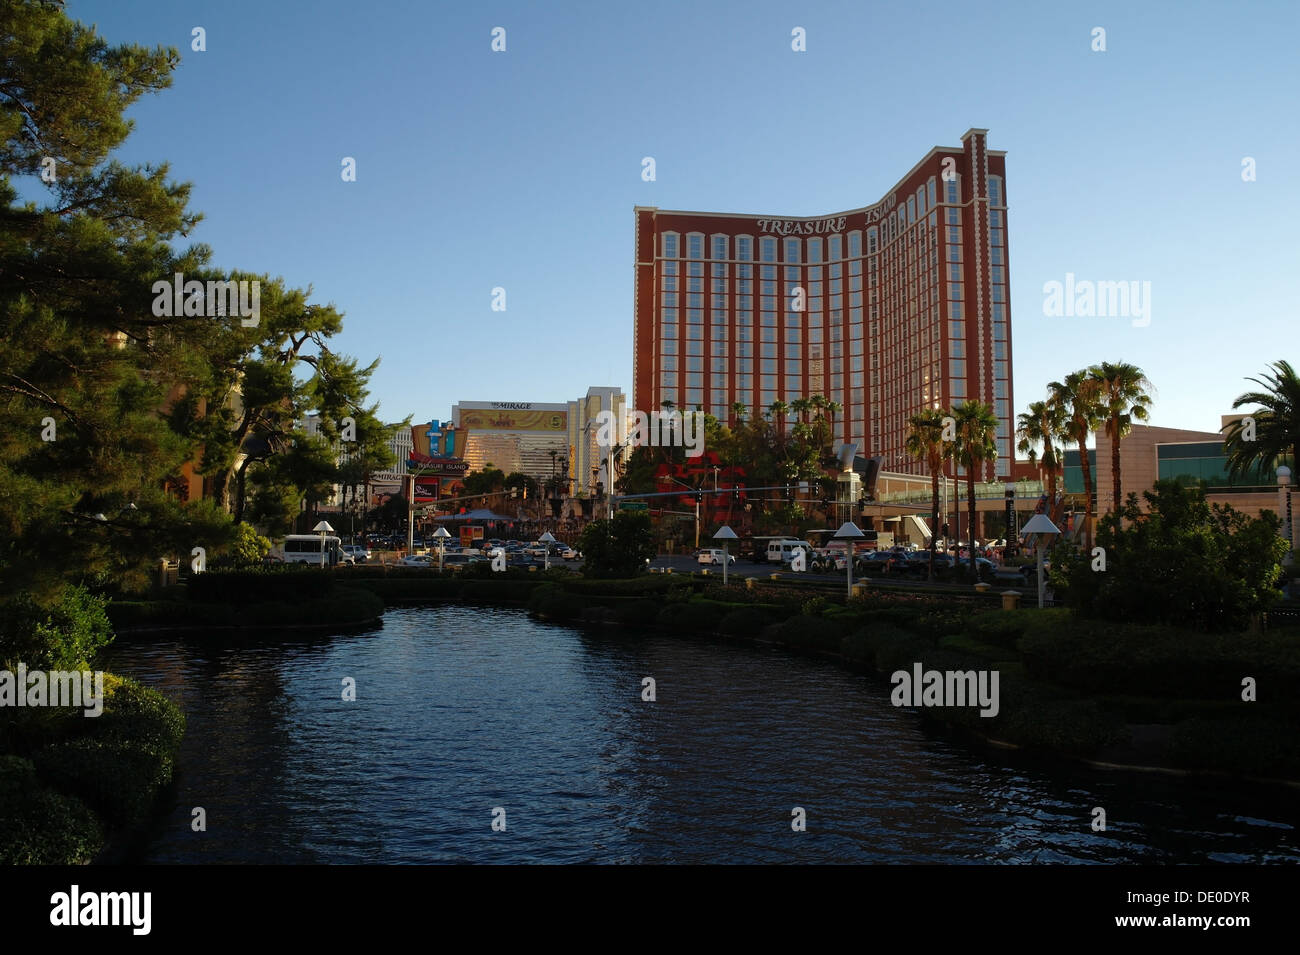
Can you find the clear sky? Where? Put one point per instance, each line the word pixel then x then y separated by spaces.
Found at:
pixel 520 169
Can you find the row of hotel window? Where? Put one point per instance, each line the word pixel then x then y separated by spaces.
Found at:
pixel 892 226
pixel 812 287
pixel 738 324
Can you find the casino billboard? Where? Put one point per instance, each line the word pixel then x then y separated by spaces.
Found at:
pixel 487 419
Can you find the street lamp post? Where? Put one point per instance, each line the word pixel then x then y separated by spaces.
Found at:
pixel 441 535
pixel 323 528
pixel 1041 529
pixel 548 539
pixel 1284 494
pixel 850 533
pixel 725 534
pixel 1010 549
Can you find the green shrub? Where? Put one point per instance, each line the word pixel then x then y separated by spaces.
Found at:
pixel 287 582
pixel 1002 628
pixel 126 614
pixel 747 621
pixel 39 826
pixel 61 635
pixel 695 616
pixel 555 603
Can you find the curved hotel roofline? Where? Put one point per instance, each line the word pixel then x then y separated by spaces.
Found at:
pixel 937 150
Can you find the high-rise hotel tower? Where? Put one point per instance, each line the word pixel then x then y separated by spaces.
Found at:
pixel 884 309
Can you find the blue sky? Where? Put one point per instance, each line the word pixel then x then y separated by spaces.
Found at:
pixel 520 169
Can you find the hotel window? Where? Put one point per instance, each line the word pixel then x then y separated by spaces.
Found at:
pixel 768 245
pixel 999 293
pixel 953 217
pixel 745 271
pixel 954 310
pixel 920 202
pixel 999 389
pixel 767 381
pixel 951 190
pixel 855 346
pixel 694 381
pixel 720 271
pixel 814 250
pixel 995 218
pixel 694 245
pixel 719 247
pixel 995 191
pixel 696 332
pixel 911 209
pixel 668 363
pixel 957 349
pixel 855 244
pixel 997 274
pixel 668 348
pixel 793 335
pixel 954 273
pixel 668 379
pixel 793 386
pixel 670 283
pixel 957 367
pixel 694 348
pixel 694 396
pixel 695 268
pixel 670 302
pixel 670 245
pixel 855 363
pixel 767 302
pixel 695 364
pixel 995 254
pixel 995 237
pixel 718 366
pixel 837 367
pixel 793 352
pixel 695 316
pixel 999 369
pixel 695 300
pixel 999 332
pixel 745 248
pixel 670 268
pixel 929 188
pixel 872 239
pixel 957 387
pixel 814 333
pixel 997 313
pixel 695 284
pixel 999 350
pixel 791 250
pixel 954 290
pixel 769 319
pixel 792 274
pixel 668 331
pixel 954 237
pixel 836 246
pixel 719 347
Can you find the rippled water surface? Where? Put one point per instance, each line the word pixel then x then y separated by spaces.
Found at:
pixel 462 710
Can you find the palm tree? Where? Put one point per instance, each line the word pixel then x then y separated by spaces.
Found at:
pixel 801 407
pixel 1121 397
pixel 925 443
pixel 1276 424
pixel 778 410
pixel 738 415
pixel 1076 398
pixel 832 409
pixel 977 428
pixel 1042 425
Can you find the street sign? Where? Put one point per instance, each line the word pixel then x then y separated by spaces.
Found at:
pixel 633 505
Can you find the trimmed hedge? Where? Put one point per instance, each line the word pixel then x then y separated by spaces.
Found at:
pixel 289 582
pixel 347 606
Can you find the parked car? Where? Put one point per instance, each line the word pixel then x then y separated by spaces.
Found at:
pixel 419 560
pixel 714 557
pixel 568 553
pixel 358 552
pixel 986 567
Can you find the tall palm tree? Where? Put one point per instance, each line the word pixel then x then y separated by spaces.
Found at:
pixel 1042 425
pixel 925 443
pixel 1277 424
pixel 738 415
pixel 1076 397
pixel 801 407
pixel 977 428
pixel 1121 398
pixel 778 410
pixel 833 408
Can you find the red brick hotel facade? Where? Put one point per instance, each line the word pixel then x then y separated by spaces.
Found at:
pixel 904 304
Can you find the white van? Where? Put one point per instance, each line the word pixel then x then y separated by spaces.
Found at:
pixel 781 551
pixel 306 549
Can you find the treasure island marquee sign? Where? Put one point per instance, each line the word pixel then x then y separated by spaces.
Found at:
pixel 825 225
